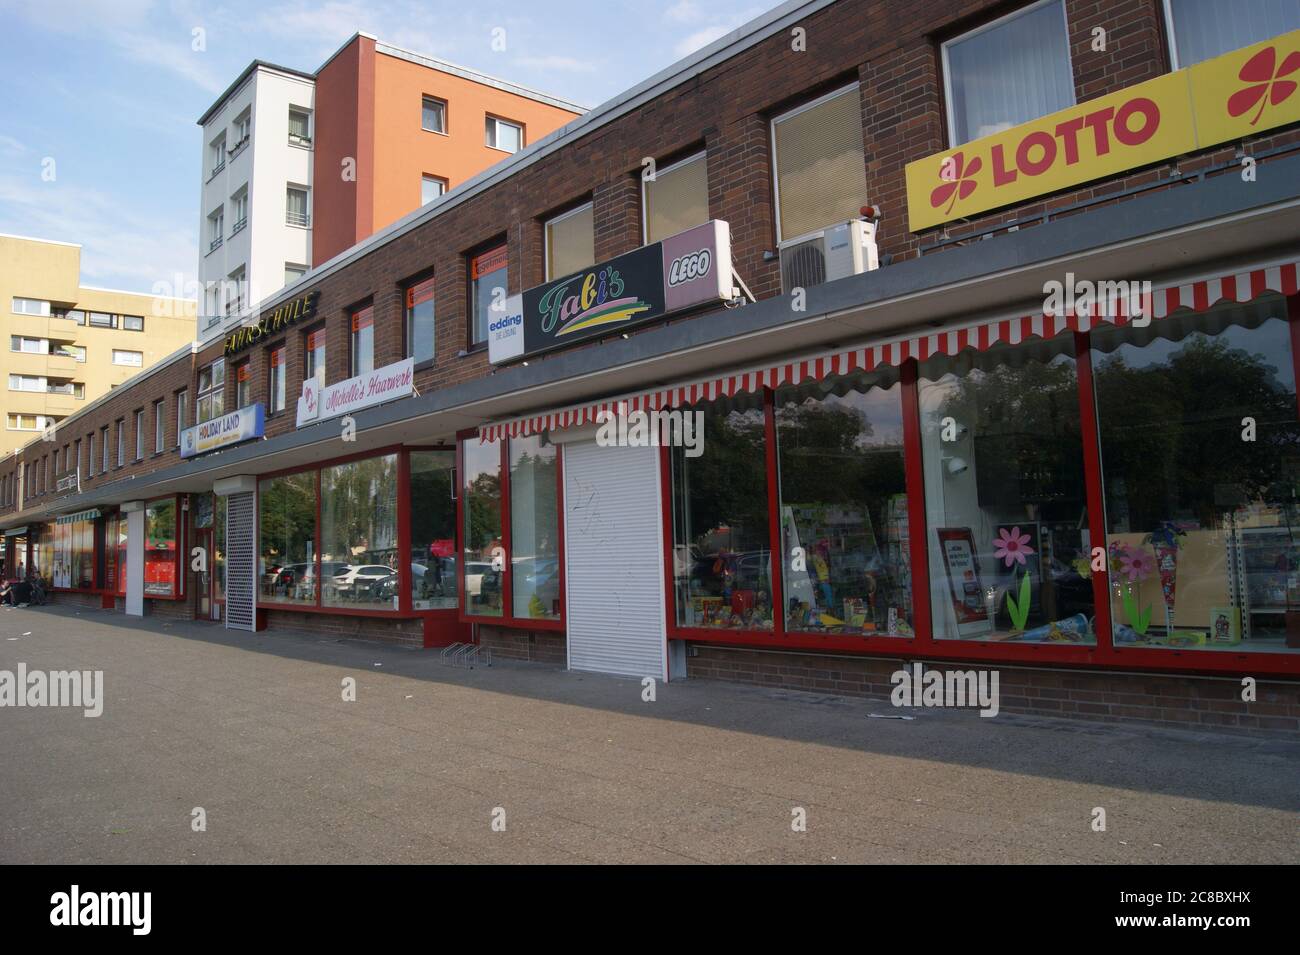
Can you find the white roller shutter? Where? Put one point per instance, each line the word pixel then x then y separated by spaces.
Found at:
pixel 241 562
pixel 613 554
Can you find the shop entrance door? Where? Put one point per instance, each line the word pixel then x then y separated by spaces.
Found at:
pixel 613 556
pixel 206 605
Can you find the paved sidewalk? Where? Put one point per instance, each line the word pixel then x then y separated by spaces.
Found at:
pixel 253 728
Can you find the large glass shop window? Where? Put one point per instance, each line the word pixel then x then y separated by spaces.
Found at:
pixel 843 506
pixel 286 510
pixel 721 549
pixel 1007 522
pixel 160 548
pixel 43 553
pixel 358 534
pixel 484 555
pixel 115 553
pixel 74 554
pixel 534 528
pixel 1201 466
pixel 433 530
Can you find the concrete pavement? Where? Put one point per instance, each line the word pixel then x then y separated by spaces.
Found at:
pixel 253 729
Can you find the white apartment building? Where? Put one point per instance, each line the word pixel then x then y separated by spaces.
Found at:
pixel 255 216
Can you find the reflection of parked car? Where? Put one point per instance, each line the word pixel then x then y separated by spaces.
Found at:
pixel 355 580
pixel 750 570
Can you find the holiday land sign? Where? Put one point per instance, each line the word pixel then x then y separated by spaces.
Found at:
pixel 1230 97
pixel 383 384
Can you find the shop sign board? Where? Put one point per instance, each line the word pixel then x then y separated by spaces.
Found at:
pixel 683 271
pixel 1230 97
pixel 300 309
pixel 318 403
pixel 242 425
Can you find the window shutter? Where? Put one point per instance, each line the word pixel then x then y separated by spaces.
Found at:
pixel 821 174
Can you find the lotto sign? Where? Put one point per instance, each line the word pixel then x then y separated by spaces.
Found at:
pixel 1232 96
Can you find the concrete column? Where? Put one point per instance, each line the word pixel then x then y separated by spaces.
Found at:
pixel 134 511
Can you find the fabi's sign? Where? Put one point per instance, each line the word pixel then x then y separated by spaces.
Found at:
pixel 1229 97
pixel 300 309
pixel 684 270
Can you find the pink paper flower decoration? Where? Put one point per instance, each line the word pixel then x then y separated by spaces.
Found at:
pixel 1011 546
pixel 1137 565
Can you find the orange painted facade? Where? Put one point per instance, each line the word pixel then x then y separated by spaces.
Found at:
pixel 369 107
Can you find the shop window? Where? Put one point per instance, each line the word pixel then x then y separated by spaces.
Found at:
pixel 1204 29
pixel 419 321
pixel 74 554
pixel 1008 72
pixel 43 553
pixel 534 529
pixel 115 553
pixel 286 510
pixel 160 548
pixel 1200 459
pixel 820 172
pixel 487 286
pixel 243 384
pixel 219 546
pixel 570 242
pixel 314 355
pixel 483 555
pixel 362 354
pixel 211 391
pixel 721 545
pixel 676 199
pixel 433 530
pixel 275 385
pixel 1007 520
pixel 358 515
pixel 843 496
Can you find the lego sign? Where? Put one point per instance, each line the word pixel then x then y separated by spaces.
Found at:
pixel 1229 97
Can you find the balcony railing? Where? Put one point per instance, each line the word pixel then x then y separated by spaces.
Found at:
pixel 298 218
pixel 236 149
pixel 238 226
pixel 216 169
pixel 215 244
pixel 296 140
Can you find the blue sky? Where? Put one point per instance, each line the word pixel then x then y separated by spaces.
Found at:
pixel 109 90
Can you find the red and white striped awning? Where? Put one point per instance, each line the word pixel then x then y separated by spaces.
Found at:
pixel 1198 295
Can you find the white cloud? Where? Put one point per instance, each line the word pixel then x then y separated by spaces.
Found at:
pixel 684 11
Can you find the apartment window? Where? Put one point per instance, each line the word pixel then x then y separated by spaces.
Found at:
pixel 182 414
pixel 133 323
pixel 1203 29
pixel 66 350
pixel 77 446
pixel 676 199
pixel 133 359
pixel 299 127
pixel 293 273
pixel 32 346
pixel 314 355
pixel 159 423
pixel 243 130
pixel 570 242
pixel 419 320
pixel 431 187
pixel 30 306
pixel 239 206
pixel 90 454
pixel 1008 72
pixel 217 149
pixel 487 284
pixel 23 422
pixel 820 172
pixel 296 209
pixel 102 320
pixel 216 228
pixel 121 442
pixel 26 383
pixel 235 292
pixel 104 452
pixel 504 135
pixel 362 352
pixel 243 384
pixel 71 315
pixel 434 118
pixel 139 434
pixel 275 392
pixel 211 393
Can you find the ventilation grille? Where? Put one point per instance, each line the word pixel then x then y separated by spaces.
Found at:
pixel 241 562
pixel 803 265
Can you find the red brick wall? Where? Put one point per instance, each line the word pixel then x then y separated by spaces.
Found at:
pixel 407 633
pixel 541 646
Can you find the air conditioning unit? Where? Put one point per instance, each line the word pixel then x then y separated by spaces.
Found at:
pixel 840 251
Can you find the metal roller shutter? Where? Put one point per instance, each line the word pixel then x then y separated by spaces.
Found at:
pixel 241 562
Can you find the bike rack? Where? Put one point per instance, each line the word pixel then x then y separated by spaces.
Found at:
pixel 466 655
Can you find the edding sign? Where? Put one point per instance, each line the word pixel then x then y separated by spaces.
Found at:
pixel 241 425
pixel 685 270
pixel 383 384
pixel 1230 97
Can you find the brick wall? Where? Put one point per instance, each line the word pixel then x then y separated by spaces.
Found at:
pixel 1184 701
pixel 541 646
pixel 407 633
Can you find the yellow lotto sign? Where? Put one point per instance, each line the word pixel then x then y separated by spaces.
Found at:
pixel 1230 97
